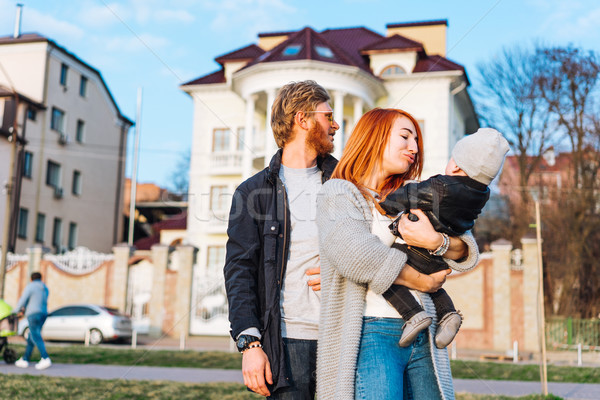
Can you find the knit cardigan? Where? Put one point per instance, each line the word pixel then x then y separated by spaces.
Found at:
pixel 352 260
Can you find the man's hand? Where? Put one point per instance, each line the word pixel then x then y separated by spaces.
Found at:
pixel 316 282
pixel 256 368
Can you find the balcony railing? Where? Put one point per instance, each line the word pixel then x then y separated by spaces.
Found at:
pixel 226 163
pixel 218 221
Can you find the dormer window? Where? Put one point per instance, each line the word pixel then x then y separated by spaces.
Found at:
pixel 292 50
pixel 324 51
pixel 393 70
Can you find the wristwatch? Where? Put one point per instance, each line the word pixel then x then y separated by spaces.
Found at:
pixel 243 342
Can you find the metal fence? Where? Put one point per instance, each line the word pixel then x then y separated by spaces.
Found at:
pixel 570 332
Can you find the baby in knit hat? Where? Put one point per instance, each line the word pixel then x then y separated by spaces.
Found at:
pixel 452 202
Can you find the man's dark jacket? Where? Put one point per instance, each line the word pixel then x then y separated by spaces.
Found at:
pixel 257 251
pixel 452 203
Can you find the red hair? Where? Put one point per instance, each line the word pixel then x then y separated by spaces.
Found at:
pixel 364 150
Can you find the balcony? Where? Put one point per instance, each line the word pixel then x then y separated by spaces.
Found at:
pixel 226 163
pixel 217 222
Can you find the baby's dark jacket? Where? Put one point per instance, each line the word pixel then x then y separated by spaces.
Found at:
pixel 452 203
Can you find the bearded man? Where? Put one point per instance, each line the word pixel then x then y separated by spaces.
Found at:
pixel 272 261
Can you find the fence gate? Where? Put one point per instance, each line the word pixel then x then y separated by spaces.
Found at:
pixel 209 303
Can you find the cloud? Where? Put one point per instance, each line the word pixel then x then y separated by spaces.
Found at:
pixel 35 21
pixel 249 16
pixel 137 43
pixel 100 16
pixel 567 21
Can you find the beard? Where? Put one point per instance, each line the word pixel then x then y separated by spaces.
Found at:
pixel 319 141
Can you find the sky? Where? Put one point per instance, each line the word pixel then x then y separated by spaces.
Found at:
pixel 158 45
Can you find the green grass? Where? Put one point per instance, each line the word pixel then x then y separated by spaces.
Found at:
pixel 222 360
pixel 126 356
pixel 522 372
pixel 26 387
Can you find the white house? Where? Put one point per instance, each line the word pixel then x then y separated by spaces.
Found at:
pixel 70 159
pixel 360 68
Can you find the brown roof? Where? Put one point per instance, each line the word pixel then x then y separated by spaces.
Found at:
pixel 391 43
pixel 436 63
pixel 306 44
pixel 215 77
pixel 245 53
pixel 420 23
pixel 345 46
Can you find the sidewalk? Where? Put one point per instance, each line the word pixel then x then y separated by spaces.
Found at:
pixel 195 375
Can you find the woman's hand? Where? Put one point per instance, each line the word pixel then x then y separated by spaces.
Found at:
pixel 419 233
pixel 413 279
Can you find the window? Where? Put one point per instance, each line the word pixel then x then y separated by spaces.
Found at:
pixel 64 70
pixel 58 120
pixel 219 198
pixel 83 86
pixel 215 260
pixel 221 139
pixel 79 131
pixel 240 139
pixel 393 70
pixel 53 175
pixel 40 227
pixel 56 233
pixel 22 228
pixel 292 50
pixel 72 235
pixel 31 113
pixel 324 51
pixel 76 187
pixel 27 164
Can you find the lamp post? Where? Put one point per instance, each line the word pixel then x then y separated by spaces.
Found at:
pixel 541 314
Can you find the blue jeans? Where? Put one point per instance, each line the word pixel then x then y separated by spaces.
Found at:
pixel 301 362
pixel 36 321
pixel 387 371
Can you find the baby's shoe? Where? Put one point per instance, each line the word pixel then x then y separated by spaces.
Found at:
pixel 413 327
pixel 447 329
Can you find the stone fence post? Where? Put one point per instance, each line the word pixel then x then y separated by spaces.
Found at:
pixel 501 305
pixel 184 290
pixel 530 293
pixel 117 293
pixel 156 307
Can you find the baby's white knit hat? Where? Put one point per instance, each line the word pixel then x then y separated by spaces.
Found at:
pixel 481 154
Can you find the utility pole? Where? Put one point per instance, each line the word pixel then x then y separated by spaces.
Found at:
pixel 138 123
pixel 541 316
pixel 9 197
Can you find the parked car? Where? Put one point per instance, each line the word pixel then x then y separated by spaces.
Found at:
pixel 73 322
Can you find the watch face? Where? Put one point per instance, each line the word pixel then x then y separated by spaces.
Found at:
pixel 242 342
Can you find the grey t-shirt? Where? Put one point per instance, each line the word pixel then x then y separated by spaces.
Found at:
pixel 300 305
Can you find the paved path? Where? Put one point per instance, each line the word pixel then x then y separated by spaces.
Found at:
pixel 195 375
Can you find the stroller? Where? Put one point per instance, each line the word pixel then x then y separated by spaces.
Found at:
pixel 8 327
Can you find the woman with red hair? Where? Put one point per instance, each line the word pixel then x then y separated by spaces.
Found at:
pixel 358 352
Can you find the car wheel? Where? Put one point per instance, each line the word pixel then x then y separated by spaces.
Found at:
pixel 96 336
pixel 26 333
pixel 10 356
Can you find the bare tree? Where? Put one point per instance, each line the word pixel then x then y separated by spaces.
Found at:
pixel 180 177
pixel 508 98
pixel 569 86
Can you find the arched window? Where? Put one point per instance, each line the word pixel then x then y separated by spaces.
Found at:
pixel 393 70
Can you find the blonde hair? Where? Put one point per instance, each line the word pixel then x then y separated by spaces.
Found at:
pixel 292 98
pixel 364 150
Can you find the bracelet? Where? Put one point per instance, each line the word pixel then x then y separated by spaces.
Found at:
pixel 440 251
pixel 252 346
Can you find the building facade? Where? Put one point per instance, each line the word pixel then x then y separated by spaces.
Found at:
pixel 361 69
pixel 70 159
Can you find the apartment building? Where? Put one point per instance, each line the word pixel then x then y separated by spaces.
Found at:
pixel 70 154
